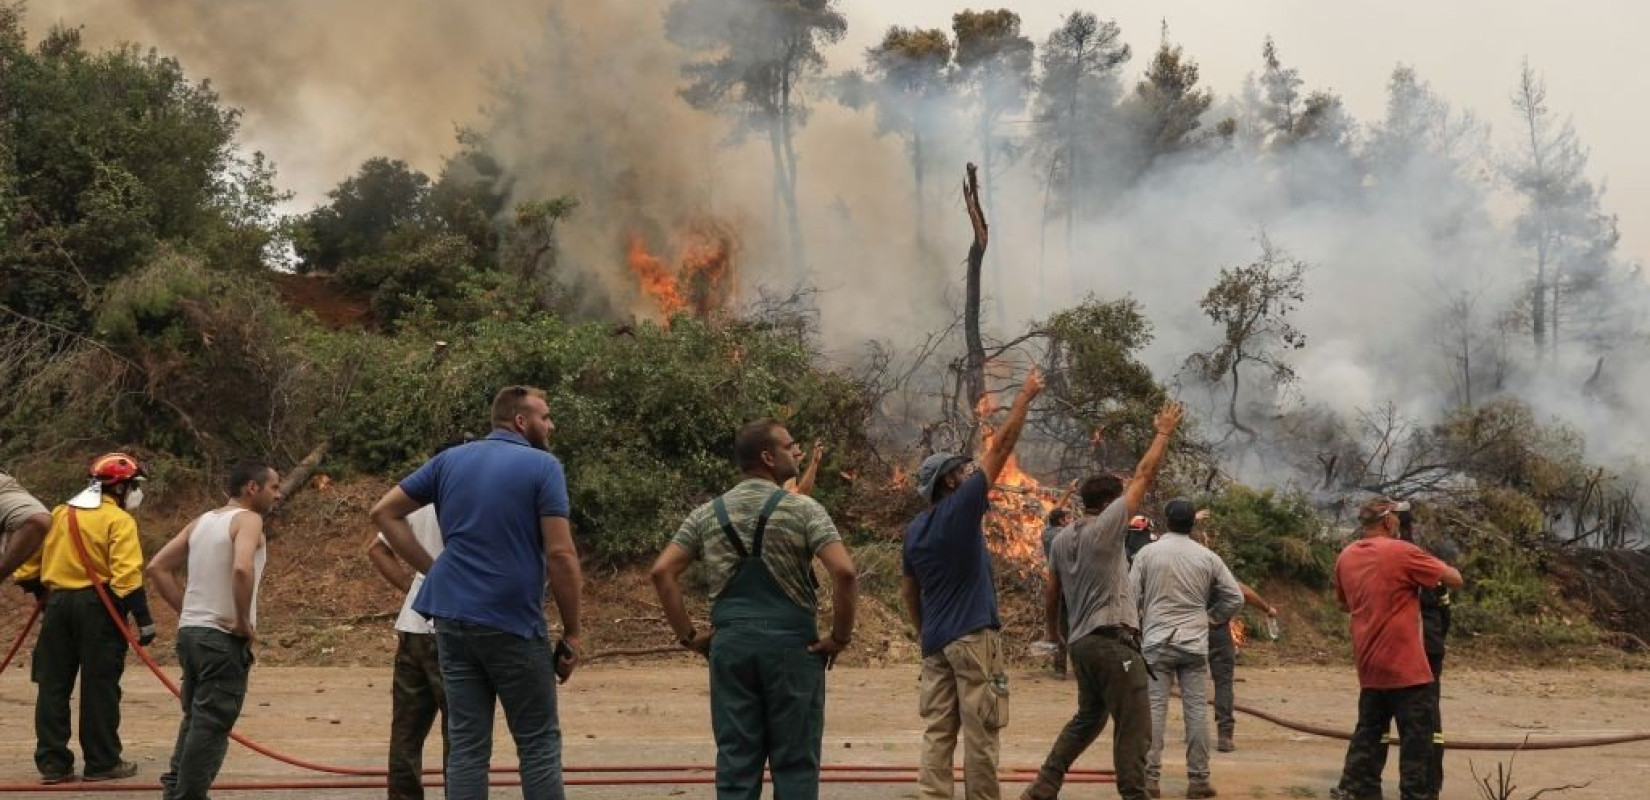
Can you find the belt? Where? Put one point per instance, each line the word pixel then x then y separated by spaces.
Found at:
pixel 1112 632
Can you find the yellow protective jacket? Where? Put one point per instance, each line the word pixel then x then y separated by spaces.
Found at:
pixel 111 537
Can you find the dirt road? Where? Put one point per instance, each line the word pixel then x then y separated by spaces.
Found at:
pixel 657 712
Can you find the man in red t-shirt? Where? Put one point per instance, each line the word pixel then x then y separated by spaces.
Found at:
pixel 1376 579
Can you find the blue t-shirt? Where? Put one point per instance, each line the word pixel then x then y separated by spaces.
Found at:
pixel 945 552
pixel 489 496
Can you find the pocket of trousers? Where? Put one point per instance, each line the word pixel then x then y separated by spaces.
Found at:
pixel 994 702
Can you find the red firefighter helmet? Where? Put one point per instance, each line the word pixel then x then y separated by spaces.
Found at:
pixel 112 469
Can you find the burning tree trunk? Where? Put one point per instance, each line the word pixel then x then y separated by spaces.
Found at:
pixel 975 370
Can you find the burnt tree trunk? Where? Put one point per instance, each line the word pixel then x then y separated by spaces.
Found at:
pixel 298 478
pixel 975 366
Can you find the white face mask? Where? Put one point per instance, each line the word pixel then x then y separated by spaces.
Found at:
pixel 134 498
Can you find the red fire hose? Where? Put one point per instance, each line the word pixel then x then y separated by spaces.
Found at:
pixel 23 635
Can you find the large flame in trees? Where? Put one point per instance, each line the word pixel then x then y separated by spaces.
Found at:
pixel 1019 505
pixel 655 278
pixel 696 281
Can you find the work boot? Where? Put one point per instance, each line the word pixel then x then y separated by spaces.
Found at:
pixel 1199 789
pixel 1225 744
pixel 54 778
pixel 1338 793
pixel 1152 788
pixel 1041 789
pixel 124 769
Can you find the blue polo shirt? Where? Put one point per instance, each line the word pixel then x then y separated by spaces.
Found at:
pixel 945 551
pixel 489 496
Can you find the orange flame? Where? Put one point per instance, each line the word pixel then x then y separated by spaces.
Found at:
pixel 1240 634
pixel 1014 528
pixel 654 277
pixel 699 283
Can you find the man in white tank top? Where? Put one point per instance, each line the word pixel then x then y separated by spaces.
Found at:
pixel 217 621
pixel 416 691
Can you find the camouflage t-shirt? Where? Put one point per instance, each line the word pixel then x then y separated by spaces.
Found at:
pixel 796 530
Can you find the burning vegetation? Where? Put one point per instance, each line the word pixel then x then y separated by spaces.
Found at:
pixel 1019 505
pixel 697 281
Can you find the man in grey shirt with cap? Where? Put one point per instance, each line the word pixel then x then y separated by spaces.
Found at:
pixel 1182 587
pixel 1089 574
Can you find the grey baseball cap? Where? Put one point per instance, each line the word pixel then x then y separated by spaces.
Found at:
pixel 933 467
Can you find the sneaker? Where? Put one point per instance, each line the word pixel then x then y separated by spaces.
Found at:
pixel 54 778
pixel 1199 789
pixel 1225 745
pixel 1152 789
pixel 124 769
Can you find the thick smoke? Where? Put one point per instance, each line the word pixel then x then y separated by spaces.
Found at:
pixel 582 99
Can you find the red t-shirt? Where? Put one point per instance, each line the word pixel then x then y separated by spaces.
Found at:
pixel 1377 579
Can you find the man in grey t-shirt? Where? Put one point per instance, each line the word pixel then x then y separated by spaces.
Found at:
pixel 1088 573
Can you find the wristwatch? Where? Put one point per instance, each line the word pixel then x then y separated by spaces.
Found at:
pixel 842 641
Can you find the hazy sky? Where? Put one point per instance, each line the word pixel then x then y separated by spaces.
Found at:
pixel 1469 50
pixel 310 73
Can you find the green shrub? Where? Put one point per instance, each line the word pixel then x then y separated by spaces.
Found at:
pixel 644 417
pixel 1266 534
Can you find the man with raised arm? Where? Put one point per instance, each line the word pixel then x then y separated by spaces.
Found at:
pixel 1089 573
pixel 952 599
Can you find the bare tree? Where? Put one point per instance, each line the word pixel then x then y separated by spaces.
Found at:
pixel 1251 304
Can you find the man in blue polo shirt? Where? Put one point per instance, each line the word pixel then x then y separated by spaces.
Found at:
pixel 952 599
pixel 502 507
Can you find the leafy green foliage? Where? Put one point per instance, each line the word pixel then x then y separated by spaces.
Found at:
pixel 1098 376
pixel 645 418
pixel 118 152
pixel 381 198
pixel 1267 534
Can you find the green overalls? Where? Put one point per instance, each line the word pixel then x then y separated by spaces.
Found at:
pixel 767 692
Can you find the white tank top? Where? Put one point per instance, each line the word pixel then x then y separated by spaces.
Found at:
pixel 209 596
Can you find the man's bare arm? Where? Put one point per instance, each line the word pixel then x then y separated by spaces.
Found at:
pixel 561 559
pixel 667 581
pixel 844 589
pixel 247 533
pixel 1146 473
pixel 25 541
pixel 1008 436
pixel 1251 597
pixel 911 592
pixel 390 515
pixel 383 559
pixel 805 484
pixel 162 572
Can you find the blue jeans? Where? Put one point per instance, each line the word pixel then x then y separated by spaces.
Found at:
pixel 479 664
pixel 1189 670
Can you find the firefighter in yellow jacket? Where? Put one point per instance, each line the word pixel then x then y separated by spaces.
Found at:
pixel 76 633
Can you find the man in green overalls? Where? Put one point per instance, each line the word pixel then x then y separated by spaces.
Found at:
pixel 767 660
